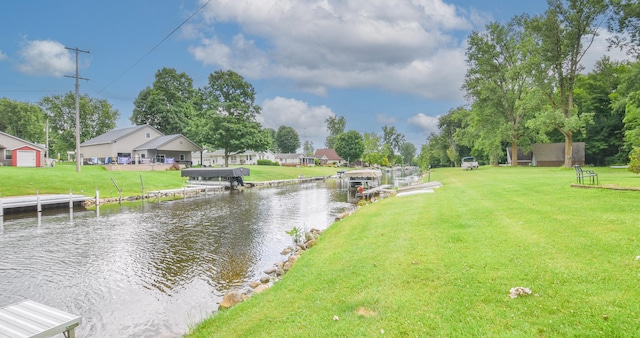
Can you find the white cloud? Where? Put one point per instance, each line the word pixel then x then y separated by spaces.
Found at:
pixel 46 57
pixel 426 124
pixel 404 46
pixel 307 121
pixel 384 119
pixel 599 48
pixel 3 56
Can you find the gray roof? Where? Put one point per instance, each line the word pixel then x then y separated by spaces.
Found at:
pixel 162 140
pixel 21 140
pixel 113 135
pixel 289 156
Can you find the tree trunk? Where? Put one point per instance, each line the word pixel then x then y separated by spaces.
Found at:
pixel 514 152
pixel 226 158
pixel 568 150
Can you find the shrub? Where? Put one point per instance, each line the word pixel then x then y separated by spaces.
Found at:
pixel 265 162
pixel 634 163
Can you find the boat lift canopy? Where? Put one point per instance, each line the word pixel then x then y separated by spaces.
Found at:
pixel 210 173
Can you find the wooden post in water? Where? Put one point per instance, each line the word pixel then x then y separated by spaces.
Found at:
pixel 142 185
pixel 38 207
pixel 70 205
pixel 1 217
pixel 97 203
pixel 184 193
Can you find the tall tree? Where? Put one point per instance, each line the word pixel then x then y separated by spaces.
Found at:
pixel 626 22
pixel 594 93
pixel 563 35
pixel 499 82
pixel 307 148
pixel 392 140
pixel 228 119
pixel 168 104
pixel 23 120
pixel 287 140
pixel 335 126
pixel 350 146
pixel 408 152
pixel 97 116
pixel 373 150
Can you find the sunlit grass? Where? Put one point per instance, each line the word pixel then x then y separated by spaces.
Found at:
pixel 63 178
pixel 442 264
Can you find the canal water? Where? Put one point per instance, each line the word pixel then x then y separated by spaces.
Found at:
pixel 154 269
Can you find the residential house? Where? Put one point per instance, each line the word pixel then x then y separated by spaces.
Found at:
pixel 329 157
pixel 216 158
pixel 138 145
pixel 17 152
pixel 294 160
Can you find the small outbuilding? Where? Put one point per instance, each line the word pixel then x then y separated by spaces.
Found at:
pixel 17 152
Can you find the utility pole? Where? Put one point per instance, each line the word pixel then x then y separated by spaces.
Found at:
pixel 77 77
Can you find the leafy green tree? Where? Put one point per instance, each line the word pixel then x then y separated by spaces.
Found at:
pixel 307 148
pixel 373 149
pixel 626 22
pixel 452 125
pixel 287 140
pixel 408 152
pixel 632 120
pixel 562 36
pixel 499 81
pixel 168 104
pixel 350 145
pixel 97 117
pixel 634 161
pixel 23 120
pixel 271 133
pixel 595 93
pixel 392 140
pixel 228 118
pixel 335 126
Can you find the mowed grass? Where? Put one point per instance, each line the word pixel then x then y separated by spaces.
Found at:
pixel 63 178
pixel 442 264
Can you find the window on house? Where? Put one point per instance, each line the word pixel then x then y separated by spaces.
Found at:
pixel 147 135
pixel 143 155
pixel 181 157
pixel 160 158
pixel 7 154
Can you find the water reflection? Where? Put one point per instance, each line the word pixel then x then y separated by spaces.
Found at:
pixel 156 268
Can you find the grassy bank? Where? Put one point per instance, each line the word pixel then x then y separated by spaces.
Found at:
pixel 443 264
pixel 62 178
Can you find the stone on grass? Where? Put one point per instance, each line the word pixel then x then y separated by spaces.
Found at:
pixel 232 298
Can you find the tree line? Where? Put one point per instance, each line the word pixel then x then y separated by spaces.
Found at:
pixel 524 84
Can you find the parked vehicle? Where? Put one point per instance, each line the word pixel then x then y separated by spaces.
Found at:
pixel 469 163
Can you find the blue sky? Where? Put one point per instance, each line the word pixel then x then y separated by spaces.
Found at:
pixel 376 62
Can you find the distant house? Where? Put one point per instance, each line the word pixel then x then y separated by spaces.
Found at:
pixel 17 152
pixel 328 157
pixel 138 145
pixel 294 160
pixel 548 155
pixel 216 158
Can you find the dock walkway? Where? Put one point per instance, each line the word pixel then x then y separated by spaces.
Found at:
pixel 35 200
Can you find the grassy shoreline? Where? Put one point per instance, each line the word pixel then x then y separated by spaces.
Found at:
pixel 442 264
pixel 63 178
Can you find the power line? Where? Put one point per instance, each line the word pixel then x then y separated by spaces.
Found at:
pixel 154 47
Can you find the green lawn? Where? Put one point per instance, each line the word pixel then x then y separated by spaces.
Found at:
pixel 62 178
pixel 442 264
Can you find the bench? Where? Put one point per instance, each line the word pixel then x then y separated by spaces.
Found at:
pixel 581 174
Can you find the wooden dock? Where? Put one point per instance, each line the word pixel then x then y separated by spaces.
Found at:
pixel 278 183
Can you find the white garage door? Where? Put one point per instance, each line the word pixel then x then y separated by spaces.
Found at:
pixel 26 158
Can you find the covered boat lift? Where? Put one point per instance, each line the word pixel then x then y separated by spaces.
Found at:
pixel 232 176
pixel 366 178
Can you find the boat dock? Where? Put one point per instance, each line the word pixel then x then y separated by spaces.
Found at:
pixel 38 201
pixel 278 183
